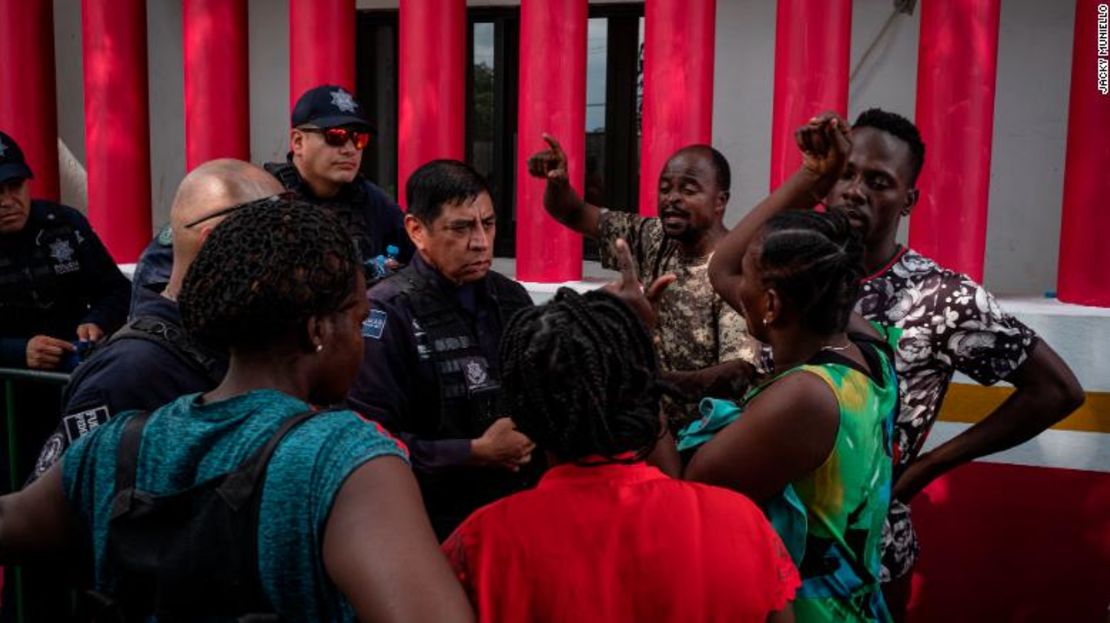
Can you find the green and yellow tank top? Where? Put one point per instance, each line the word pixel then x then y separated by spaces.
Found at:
pixel 846 499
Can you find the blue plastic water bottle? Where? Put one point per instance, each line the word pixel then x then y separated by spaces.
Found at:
pixel 378 263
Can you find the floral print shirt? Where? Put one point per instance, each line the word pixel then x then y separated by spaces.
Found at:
pixel 948 323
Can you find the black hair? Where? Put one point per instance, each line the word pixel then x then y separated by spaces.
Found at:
pixel 441 182
pixel 579 377
pixel 720 164
pixel 899 127
pixel 815 261
pixel 264 271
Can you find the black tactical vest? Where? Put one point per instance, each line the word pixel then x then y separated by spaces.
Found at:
pixel 349 207
pixel 37 281
pixel 467 382
pixel 167 335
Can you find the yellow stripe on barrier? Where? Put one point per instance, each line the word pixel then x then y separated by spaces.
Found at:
pixel 971 403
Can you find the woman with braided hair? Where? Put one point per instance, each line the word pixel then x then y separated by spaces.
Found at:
pixel 604 536
pixel 816 436
pixel 248 498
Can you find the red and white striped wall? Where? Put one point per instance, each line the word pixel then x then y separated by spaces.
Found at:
pixel 956 74
pixel 1022 535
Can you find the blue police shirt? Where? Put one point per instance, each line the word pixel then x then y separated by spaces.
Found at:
pixel 125 375
pixel 372 218
pixel 55 274
pixel 153 268
pixel 394 385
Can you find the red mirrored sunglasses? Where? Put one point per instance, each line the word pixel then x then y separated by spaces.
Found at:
pixel 338 137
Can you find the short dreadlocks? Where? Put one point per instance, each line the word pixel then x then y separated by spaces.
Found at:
pixel 264 271
pixel 579 377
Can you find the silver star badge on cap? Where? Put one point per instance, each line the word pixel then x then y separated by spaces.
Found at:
pixel 343 101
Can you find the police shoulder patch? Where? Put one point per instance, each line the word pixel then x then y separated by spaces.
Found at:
pixel 83 422
pixel 374 326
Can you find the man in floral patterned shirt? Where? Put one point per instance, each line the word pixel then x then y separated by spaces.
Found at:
pixel 948 322
pixel 703 344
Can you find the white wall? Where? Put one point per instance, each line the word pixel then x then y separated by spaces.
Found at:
pixel 1030 110
pixel 1034 63
pixel 1030 131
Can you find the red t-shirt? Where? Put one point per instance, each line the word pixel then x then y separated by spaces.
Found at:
pixel 621 543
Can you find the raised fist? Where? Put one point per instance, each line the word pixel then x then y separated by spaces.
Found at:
pixel 825 143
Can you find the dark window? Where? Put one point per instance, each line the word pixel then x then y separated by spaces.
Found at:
pixel 613 103
pixel 491 111
pixel 376 86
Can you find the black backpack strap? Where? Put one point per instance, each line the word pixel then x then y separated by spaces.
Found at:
pixel 244 487
pixel 237 489
pixel 127 461
pixel 286 173
pixel 175 339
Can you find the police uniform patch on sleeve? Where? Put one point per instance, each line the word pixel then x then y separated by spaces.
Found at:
pixel 51 451
pixel 81 423
pixel 374 326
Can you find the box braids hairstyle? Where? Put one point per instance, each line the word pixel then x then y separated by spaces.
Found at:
pixel 579 377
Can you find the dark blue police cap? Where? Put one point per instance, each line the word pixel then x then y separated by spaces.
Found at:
pixel 329 106
pixel 12 163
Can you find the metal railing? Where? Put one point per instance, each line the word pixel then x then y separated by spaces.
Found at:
pixel 10 377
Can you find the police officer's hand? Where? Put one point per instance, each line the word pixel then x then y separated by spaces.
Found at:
pixel 629 289
pixel 502 445
pixel 825 143
pixel 549 163
pixel 45 352
pixel 89 332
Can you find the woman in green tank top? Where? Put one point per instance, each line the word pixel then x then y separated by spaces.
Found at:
pixel 816 434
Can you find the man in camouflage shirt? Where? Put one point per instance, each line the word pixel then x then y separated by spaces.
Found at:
pixel 702 344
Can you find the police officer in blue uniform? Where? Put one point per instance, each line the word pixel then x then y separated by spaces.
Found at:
pixel 328 135
pixel 58 284
pixel 327 139
pixel 153 268
pixel 152 360
pixel 431 367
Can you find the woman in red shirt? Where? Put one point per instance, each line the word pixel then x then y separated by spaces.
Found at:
pixel 604 536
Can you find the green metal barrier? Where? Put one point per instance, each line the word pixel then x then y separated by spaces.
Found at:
pixel 10 376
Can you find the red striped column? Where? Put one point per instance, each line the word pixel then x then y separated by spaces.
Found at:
pixel 117 126
pixel 28 107
pixel 552 100
pixel 217 95
pixel 1084 277
pixel 431 111
pixel 813 43
pixel 321 45
pixel 678 86
pixel 957 62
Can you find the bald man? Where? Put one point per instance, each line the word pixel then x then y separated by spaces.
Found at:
pixel 151 360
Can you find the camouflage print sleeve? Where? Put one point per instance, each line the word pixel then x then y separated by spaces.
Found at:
pixel 733 339
pixel 644 237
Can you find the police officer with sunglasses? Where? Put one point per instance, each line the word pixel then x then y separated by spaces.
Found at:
pixel 328 135
pixel 327 138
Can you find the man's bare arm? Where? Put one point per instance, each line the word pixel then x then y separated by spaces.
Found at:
pixel 1046 392
pixel 724 380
